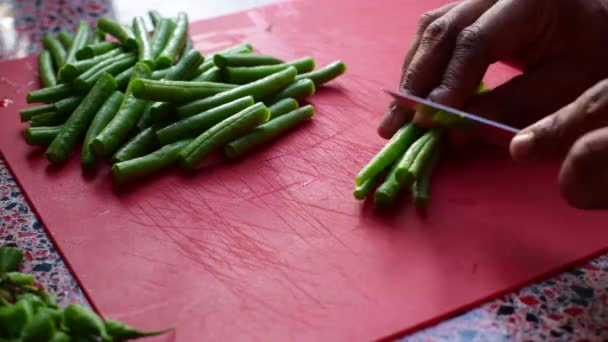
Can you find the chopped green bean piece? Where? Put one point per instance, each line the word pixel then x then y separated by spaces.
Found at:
pixel 176 91
pixel 141 144
pixel 214 74
pixel 185 66
pixel 117 131
pixel 79 121
pixel 298 90
pixel 142 39
pixel 81 39
pixel 227 130
pixel 50 94
pixel 155 17
pixel 122 79
pixel 244 60
pixel 113 67
pixel 104 115
pixel 244 75
pixel 326 74
pixel 267 131
pixel 123 34
pixel 98 36
pixel 49 119
pixel 92 50
pixel 258 89
pixel 420 188
pixel 159 74
pixel 392 150
pixel 53 45
pixel 197 124
pixel 402 167
pixel 69 72
pixel 28 113
pixel 426 153
pixel 283 106
pixel 67 105
pixel 66 39
pixel 177 39
pixel 143 166
pixel 239 48
pixel 161 35
pixel 387 192
pixel 46 70
pixel 41 135
pixel 361 191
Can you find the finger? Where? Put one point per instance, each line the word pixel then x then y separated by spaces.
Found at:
pixel 481 44
pixel 553 135
pixel 396 114
pixel 584 174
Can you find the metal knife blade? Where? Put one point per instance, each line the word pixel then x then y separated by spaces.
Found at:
pixel 413 102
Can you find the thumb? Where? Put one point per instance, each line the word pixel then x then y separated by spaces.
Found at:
pixel 554 135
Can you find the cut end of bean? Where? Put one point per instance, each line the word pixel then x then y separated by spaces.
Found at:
pixel 404 177
pixel 138 87
pixel 220 61
pixel 84 53
pixel 163 62
pixel 97 147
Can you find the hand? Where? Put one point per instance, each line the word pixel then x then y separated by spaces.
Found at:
pixel 559 44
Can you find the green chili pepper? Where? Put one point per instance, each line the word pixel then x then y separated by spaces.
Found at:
pixel 244 75
pixel 192 126
pixel 297 90
pixel 41 135
pixel 283 106
pixel 10 258
pixel 50 94
pixel 81 321
pixel 244 60
pixel 175 42
pixel 53 45
pixel 141 144
pixel 267 131
pixel 79 121
pixel 28 113
pixel 229 129
pixel 161 35
pixel 123 34
pixel 81 39
pixel 92 50
pixel 69 72
pixel 66 39
pixel 45 69
pixel 142 39
pixel 144 166
pixel 176 91
pixel 259 89
pixel 120 331
pixel 105 114
pixel 326 74
pixel 117 131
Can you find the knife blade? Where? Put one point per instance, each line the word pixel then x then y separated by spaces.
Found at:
pixel 413 102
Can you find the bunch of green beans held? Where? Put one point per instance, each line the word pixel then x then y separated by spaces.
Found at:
pixel 149 101
pixel 30 314
pixel 406 162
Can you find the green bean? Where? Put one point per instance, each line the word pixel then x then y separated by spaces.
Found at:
pixel 268 131
pixel 420 188
pixel 297 90
pixel 92 50
pixel 159 74
pixel 143 166
pixel 361 191
pixel 122 79
pixel 176 91
pixel 98 36
pixel 53 45
pixel 188 46
pixel 141 144
pixel 10 258
pixel 425 154
pixel 258 89
pixel 113 67
pixel 121 332
pixel 244 60
pixel 49 119
pixel 81 321
pixel 50 94
pixel 103 63
pixel 41 135
pixel 161 35
pixel 155 17
pixel 12 320
pixel 146 120
pixel 326 74
pixel 387 192
pixel 40 328
pixel 69 72
pixel 123 34
pixel 197 124
pixel 81 39
pixel 117 131
pixel 208 64
pixel 402 168
pixel 66 39
pixel 283 106
pixel 239 48
pixel 142 39
pixel 68 104
pixel 104 115
pixel 392 150
pixel 244 75
pixel 175 42
pixel 79 121
pixel 28 113
pixel 60 336
pixel 185 66
pixel 227 130
pixel 214 74
pixel 45 69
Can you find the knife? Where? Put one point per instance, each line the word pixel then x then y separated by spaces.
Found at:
pixel 413 102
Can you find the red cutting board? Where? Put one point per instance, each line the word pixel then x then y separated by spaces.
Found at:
pixel 274 247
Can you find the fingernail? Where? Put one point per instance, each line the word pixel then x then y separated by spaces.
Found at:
pixel 521 146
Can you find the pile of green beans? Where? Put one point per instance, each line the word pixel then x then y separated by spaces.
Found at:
pixel 145 101
pixel 406 161
pixel 29 313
